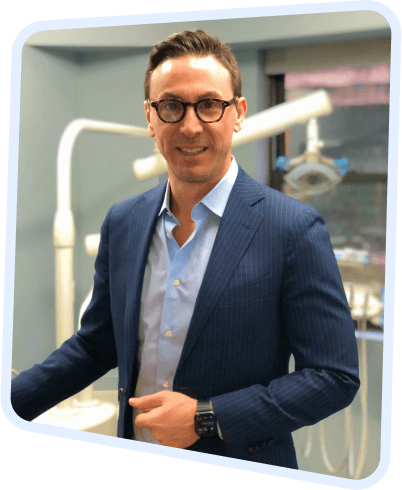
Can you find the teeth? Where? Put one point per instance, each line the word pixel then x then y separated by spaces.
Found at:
pixel 191 150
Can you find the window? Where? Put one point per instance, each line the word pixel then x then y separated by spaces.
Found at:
pixel 354 210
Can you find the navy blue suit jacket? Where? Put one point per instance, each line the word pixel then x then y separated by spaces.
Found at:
pixel 272 287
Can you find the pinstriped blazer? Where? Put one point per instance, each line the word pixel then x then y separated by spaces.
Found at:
pixel 271 288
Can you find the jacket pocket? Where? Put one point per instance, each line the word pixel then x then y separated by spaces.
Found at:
pixel 278 452
pixel 247 293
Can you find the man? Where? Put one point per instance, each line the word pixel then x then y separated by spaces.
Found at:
pixel 205 286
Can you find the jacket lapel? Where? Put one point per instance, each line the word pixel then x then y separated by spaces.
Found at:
pixel 237 228
pixel 144 216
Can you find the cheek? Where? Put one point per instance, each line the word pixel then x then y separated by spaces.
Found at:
pixel 162 143
pixel 165 139
pixel 225 138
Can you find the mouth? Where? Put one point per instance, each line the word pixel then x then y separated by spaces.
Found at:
pixel 192 151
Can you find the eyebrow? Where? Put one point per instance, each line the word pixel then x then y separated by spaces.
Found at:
pixel 171 95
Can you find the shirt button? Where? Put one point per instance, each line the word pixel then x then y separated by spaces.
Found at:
pixel 169 333
pixel 165 384
pixel 176 282
pixel 168 235
pixel 169 213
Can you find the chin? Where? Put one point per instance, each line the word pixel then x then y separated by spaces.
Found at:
pixel 192 177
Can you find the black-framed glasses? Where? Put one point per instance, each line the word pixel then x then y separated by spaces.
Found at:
pixel 207 110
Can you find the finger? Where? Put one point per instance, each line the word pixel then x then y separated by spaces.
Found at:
pixel 148 416
pixel 147 401
pixel 141 421
pixel 146 420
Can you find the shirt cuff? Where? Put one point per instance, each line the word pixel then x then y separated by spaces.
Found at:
pixel 219 430
pixel 217 423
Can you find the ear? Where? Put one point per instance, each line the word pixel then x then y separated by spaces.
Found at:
pixel 151 131
pixel 241 111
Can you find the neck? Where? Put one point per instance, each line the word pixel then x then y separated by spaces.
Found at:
pixel 184 196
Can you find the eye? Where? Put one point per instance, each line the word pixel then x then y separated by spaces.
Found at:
pixel 171 106
pixel 209 105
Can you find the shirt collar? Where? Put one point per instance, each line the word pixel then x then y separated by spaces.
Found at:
pixel 217 197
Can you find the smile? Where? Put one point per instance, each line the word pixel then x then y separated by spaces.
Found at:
pixel 191 151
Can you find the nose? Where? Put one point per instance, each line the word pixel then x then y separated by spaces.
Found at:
pixel 190 126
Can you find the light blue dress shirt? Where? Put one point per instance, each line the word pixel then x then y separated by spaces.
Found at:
pixel 172 279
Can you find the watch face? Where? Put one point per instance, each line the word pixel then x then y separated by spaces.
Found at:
pixel 205 424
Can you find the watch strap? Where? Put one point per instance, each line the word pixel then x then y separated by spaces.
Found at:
pixel 204 406
pixel 205 419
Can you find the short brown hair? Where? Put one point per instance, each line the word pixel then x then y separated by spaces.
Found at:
pixel 193 43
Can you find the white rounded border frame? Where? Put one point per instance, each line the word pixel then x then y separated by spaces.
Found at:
pixel 151 465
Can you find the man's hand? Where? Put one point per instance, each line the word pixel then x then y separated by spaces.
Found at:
pixel 169 416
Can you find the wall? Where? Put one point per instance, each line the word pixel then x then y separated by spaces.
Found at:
pixel 56 88
pixel 48 103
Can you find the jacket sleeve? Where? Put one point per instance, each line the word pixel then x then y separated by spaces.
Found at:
pixel 315 315
pixel 85 357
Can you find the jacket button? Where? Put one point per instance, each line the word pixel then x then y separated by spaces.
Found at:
pixel 122 392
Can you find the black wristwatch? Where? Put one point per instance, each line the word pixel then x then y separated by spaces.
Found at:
pixel 205 419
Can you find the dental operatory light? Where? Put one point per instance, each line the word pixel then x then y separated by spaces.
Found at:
pixel 312 173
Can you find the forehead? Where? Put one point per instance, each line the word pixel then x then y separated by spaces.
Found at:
pixel 208 63
pixel 190 76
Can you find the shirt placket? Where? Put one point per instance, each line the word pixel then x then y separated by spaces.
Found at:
pixel 172 329
pixel 169 336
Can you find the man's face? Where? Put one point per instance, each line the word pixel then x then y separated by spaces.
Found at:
pixel 190 79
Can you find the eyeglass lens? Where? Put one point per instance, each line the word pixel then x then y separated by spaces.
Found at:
pixel 207 110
